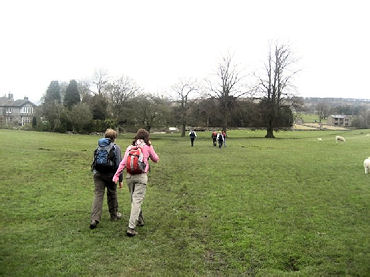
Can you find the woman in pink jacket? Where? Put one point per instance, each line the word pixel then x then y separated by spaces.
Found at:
pixel 137 182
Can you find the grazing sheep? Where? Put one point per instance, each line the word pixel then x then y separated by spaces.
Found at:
pixel 367 165
pixel 319 139
pixel 339 138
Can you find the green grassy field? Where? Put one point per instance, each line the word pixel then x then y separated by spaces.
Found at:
pixel 291 206
pixel 307 118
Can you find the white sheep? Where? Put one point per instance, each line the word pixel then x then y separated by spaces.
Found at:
pixel 339 138
pixel 319 139
pixel 367 165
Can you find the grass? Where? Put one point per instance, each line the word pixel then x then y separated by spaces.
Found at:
pixel 311 117
pixel 292 206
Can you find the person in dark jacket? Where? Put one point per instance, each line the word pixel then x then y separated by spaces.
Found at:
pixel 192 135
pixel 220 139
pixel 103 179
pixel 214 137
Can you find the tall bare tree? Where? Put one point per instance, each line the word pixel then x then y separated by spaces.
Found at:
pixel 120 91
pixel 184 89
pixel 275 85
pixel 322 110
pixel 84 89
pixel 100 81
pixel 227 89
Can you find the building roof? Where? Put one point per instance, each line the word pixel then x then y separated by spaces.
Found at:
pixel 22 102
pixel 339 116
pixel 5 101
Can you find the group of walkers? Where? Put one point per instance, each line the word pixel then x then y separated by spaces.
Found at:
pixel 108 172
pixel 108 169
pixel 217 137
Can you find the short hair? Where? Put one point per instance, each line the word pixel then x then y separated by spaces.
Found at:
pixel 111 134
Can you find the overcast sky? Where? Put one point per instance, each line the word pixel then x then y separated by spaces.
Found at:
pixel 158 42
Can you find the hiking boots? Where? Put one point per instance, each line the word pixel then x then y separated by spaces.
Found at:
pixel 118 216
pixel 140 220
pixel 131 232
pixel 93 224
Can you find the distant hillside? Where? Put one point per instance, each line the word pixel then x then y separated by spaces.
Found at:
pixel 336 101
pixel 352 104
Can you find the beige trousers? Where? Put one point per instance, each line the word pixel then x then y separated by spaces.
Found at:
pixel 103 181
pixel 137 187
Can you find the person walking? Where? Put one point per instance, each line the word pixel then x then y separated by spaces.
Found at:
pixel 214 137
pixel 220 139
pixel 107 157
pixel 192 136
pixel 137 182
pixel 224 136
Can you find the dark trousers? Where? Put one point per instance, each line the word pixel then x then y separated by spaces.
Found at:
pixel 214 141
pixel 192 141
pixel 103 181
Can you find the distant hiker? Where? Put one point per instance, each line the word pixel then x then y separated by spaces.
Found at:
pixel 220 139
pixel 214 137
pixel 136 162
pixel 192 136
pixel 106 160
pixel 224 136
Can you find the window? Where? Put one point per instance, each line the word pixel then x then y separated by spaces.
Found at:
pixel 26 120
pixel 27 109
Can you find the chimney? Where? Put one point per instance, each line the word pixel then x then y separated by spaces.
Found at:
pixel 25 98
pixel 10 96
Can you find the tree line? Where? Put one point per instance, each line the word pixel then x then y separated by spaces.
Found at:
pixel 223 102
pixel 324 107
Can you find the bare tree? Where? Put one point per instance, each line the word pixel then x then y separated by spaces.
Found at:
pixel 362 120
pixel 183 90
pixel 84 89
pixel 120 91
pixel 275 85
pixel 323 111
pixel 227 88
pixel 100 81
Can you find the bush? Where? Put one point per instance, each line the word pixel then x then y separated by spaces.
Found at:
pixel 98 125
